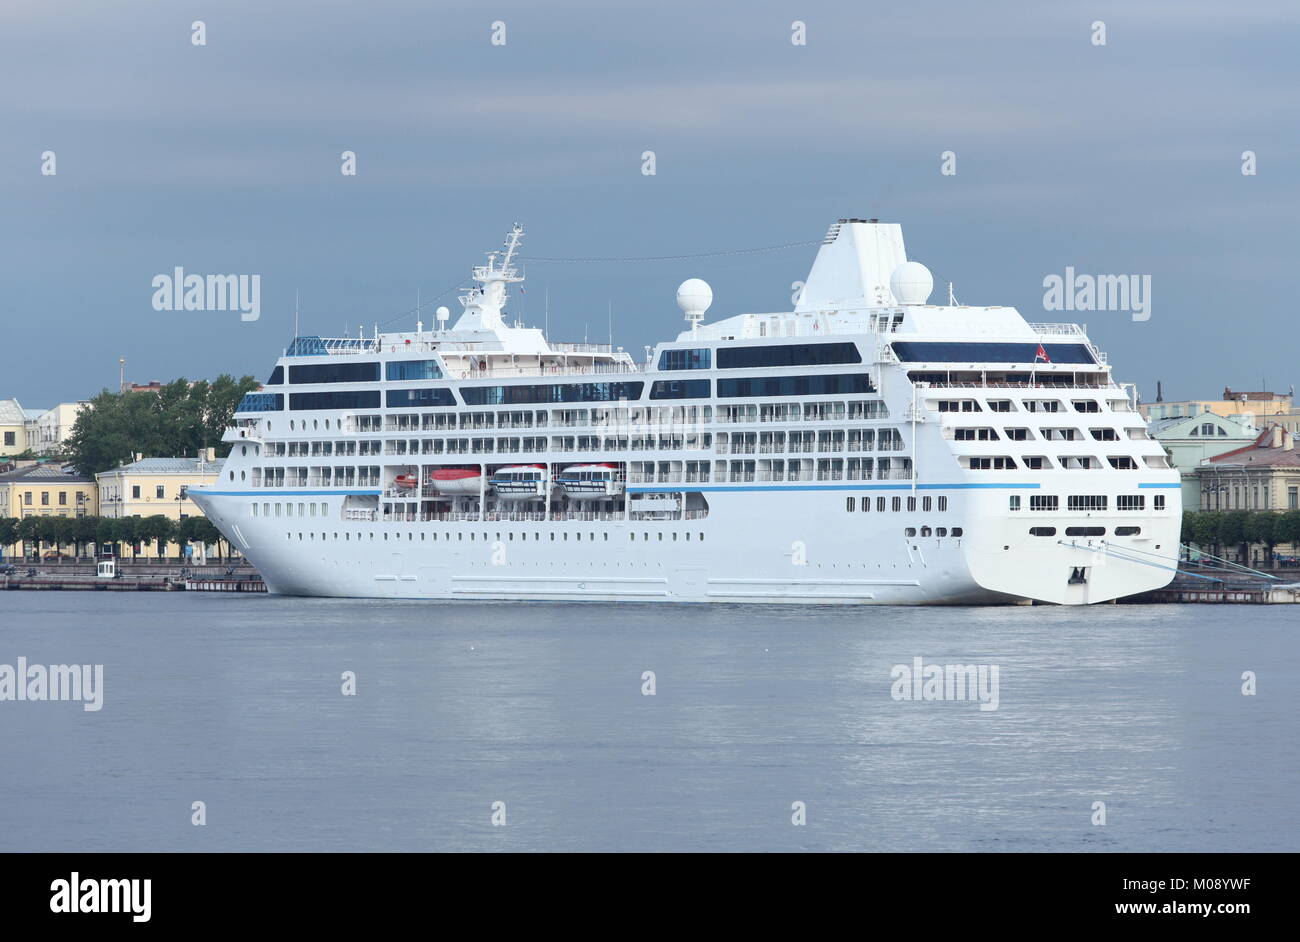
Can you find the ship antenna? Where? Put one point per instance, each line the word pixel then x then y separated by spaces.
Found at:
pixel 952 302
pixel 295 312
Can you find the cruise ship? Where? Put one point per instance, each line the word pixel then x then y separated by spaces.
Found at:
pixel 867 447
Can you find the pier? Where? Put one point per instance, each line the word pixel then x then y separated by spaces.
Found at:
pixel 81 576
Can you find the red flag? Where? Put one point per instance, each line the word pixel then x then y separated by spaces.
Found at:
pixel 1042 355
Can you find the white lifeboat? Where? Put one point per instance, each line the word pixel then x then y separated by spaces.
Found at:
pixel 521 482
pixel 468 481
pixel 592 480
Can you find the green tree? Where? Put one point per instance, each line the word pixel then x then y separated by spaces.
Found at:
pixel 108 533
pixel 201 530
pixel 157 530
pixel 60 532
pixel 8 532
pixel 1203 530
pixel 1261 527
pixel 179 420
pixel 84 530
pixel 28 531
pixel 1288 529
pixel 1232 531
pixel 129 533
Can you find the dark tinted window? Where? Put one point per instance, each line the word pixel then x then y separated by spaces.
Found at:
pixel 364 372
pixel 406 398
pixel 696 359
pixel 567 392
pixel 918 351
pixel 801 354
pixel 413 369
pixel 680 389
pixel 795 385
pixel 361 399
pixel 277 376
pixel 261 402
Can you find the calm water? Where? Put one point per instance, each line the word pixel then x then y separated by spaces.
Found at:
pixel 235 701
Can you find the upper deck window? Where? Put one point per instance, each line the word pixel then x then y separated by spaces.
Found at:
pixel 399 370
pixel 277 376
pixel 261 402
pixel 408 398
pixel 680 389
pixel 799 354
pixel 563 392
pixel 364 372
pixel 926 351
pixel 817 385
pixel 694 359
pixel 358 399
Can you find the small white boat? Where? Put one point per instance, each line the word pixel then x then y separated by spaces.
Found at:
pixel 521 482
pixel 592 480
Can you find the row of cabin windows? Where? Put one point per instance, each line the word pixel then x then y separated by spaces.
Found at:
pixel 865 439
pixel 985 434
pixel 897 504
pixel 1089 502
pixel 645 537
pixel 1084 531
pixel 626 415
pixel 1046 462
pixel 1027 405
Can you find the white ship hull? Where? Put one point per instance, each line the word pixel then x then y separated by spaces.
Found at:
pixel 768 545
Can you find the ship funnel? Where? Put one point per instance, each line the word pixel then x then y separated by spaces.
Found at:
pixel 854 266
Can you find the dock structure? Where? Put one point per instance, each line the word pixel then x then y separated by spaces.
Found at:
pixel 93 578
pixel 14 583
pixel 1225 594
pixel 214 584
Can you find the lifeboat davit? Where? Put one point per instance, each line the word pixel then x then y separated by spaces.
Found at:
pixel 591 480
pixel 457 480
pixel 521 482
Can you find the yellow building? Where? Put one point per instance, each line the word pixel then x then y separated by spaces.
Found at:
pixel 155 486
pixel 47 490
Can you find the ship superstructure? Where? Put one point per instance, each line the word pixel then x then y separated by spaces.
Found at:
pixel 866 447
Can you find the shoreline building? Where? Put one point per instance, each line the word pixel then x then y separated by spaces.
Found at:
pixel 1264 475
pixel 41 431
pixel 45 490
pixel 53 427
pixel 1192 439
pixel 156 486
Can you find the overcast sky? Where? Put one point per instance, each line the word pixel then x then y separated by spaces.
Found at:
pixel 224 158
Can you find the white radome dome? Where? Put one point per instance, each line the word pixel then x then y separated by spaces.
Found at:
pixel 911 283
pixel 694 297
